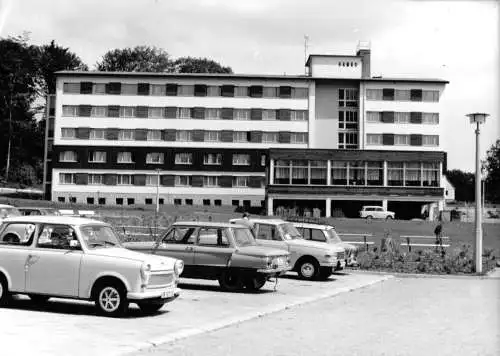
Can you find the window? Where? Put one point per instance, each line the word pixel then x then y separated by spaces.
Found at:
pixel 241 160
pixel 129 89
pixel 71 88
pixel 300 93
pixel 241 114
pixel 298 137
pixel 339 173
pixel 124 179
pixel 388 94
pixel 373 116
pixel 318 172
pixel 269 115
pixel 212 136
pixel 56 237
pixel 430 95
pixel 403 140
pixel 124 157
pixel 184 113
pixel 212 159
pixel 97 134
pixel 155 158
pixel 282 172
pixel 357 173
pixel 185 90
pixel 395 174
pixel 412 174
pixel 154 135
pixel 130 201
pixel 70 110
pixel 158 90
pixel 241 91
pixel 183 158
pixel 240 136
pixel 430 140
pixel 373 139
pixel 401 117
pixel 72 200
pixel 68 133
pixel 67 178
pixel 430 177
pixel 217 202
pixel 348 120
pixel 119 201
pixel 213 91
pixel 269 137
pixel 90 200
pixel 374 173
pixel 206 202
pixel 98 111
pixel 189 201
pixel 240 182
pixel 430 118
pixel 299 115
pixel 210 181
pixel 235 202
pixel 101 201
pixel 99 88
pixel 263 160
pixel 96 179
pixel 155 113
pixel 68 156
pixel 212 113
pixel 200 90
pixel 269 92
pixel 402 95
pixel 177 201
pixel 300 172
pixel 348 140
pixel 97 157
pixel 61 199
pixel 127 111
pixel 183 136
pixel 161 201
pixel 373 94
pixel 314 235
pixel 348 98
pixel 152 180
pixel 126 135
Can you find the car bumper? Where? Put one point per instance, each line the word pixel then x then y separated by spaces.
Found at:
pixel 274 272
pixel 338 264
pixel 164 294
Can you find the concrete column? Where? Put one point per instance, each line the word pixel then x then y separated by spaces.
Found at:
pixel 328 172
pixel 312 114
pixel 271 171
pixel 328 210
pixel 270 207
pixel 385 173
pixel 384 204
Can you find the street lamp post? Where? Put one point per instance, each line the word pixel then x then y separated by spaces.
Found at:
pixel 478 119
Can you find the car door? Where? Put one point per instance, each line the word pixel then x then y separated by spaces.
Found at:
pixel 179 243
pixel 213 248
pixel 379 213
pixel 52 267
pixel 268 235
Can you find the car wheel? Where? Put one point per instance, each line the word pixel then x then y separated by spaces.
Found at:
pixel 39 299
pixel 150 308
pixel 111 300
pixel 389 217
pixel 230 281
pixel 308 269
pixel 369 217
pixel 325 273
pixel 254 283
pixel 4 292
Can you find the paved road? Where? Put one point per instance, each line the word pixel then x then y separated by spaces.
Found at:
pixel 402 316
pixel 65 327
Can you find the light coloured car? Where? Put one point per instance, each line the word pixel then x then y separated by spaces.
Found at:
pixel 68 257
pixel 222 251
pixel 38 211
pixel 376 212
pixel 310 259
pixel 327 234
pixel 8 211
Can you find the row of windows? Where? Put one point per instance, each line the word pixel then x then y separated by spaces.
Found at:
pixel 150 201
pixel 348 140
pixel 358 173
pixel 69 133
pixel 172 89
pixel 153 180
pixel 390 94
pixel 159 158
pixel 402 140
pixel 431 118
pixel 184 113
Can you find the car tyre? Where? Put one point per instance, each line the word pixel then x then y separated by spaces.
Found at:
pixel 308 269
pixel 389 217
pixel 5 296
pixel 255 283
pixel 150 308
pixel 39 299
pixel 111 300
pixel 325 273
pixel 369 217
pixel 230 281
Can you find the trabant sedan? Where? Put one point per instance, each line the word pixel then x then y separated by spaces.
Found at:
pixel 68 257
pixel 221 251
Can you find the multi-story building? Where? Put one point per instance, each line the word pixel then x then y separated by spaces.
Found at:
pixel 333 139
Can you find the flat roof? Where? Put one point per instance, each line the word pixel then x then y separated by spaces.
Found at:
pixel 310 57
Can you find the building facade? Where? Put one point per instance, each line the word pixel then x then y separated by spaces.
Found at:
pixel 336 134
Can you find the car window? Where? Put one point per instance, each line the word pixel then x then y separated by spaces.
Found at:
pixel 243 237
pixel 334 237
pixel 180 235
pixel 56 237
pixel 18 234
pixel 6 212
pixel 213 237
pixel 267 232
pixel 288 231
pixel 317 235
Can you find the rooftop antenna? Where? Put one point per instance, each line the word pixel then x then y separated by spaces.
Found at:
pixel 306 44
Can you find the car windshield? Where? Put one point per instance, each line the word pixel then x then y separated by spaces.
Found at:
pixel 289 232
pixel 243 237
pixel 6 212
pixel 333 236
pixel 99 236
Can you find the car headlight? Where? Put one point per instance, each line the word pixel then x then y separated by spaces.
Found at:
pixel 145 272
pixel 178 267
pixel 268 261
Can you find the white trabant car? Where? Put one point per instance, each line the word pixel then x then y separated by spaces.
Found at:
pixel 70 257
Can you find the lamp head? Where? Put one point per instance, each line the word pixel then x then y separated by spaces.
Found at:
pixel 477 117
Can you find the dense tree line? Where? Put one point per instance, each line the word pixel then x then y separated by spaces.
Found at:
pixel 27 76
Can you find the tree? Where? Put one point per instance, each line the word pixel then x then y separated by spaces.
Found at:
pixel 199 65
pixel 137 59
pixel 493 168
pixel 463 183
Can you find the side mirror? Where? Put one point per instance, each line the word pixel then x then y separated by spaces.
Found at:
pixel 75 244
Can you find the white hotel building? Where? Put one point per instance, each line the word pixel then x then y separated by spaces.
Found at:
pixel 336 138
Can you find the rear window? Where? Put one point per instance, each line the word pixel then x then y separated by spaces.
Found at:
pixel 6 212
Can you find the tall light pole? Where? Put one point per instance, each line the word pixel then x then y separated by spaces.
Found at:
pixel 478 119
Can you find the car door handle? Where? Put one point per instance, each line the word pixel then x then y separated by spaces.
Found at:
pixel 189 248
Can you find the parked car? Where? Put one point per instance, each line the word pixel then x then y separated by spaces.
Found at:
pixel 38 211
pixel 310 259
pixel 8 211
pixel 221 251
pixel 376 212
pixel 56 256
pixel 327 234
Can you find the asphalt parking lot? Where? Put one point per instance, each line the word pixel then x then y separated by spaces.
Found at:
pixel 63 327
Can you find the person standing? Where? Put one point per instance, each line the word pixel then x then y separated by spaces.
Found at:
pixel 438 233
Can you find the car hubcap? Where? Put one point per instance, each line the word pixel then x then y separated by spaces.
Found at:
pixel 1 290
pixel 109 298
pixel 307 270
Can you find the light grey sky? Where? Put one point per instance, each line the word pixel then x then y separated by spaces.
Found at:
pixel 452 40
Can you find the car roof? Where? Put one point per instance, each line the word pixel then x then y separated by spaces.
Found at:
pixel 48 219
pixel 36 208
pixel 372 206
pixel 205 224
pixel 268 221
pixel 312 225
pixel 6 206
